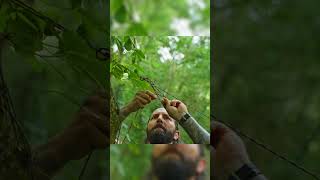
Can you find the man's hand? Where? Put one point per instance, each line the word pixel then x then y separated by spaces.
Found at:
pixel 140 100
pixel 229 153
pixel 90 127
pixel 89 130
pixel 175 108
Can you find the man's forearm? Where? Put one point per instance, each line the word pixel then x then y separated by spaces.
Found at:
pixel 124 113
pixel 49 158
pixel 196 132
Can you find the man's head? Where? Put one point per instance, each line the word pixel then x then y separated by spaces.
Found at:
pixel 178 161
pixel 161 128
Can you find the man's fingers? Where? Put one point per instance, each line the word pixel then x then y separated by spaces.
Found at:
pixel 140 104
pixel 98 120
pixel 102 93
pixel 147 95
pixel 142 100
pixel 144 96
pixel 165 102
pixel 97 104
pixel 152 96
pixel 175 103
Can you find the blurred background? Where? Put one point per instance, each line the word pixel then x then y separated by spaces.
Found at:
pixel 145 17
pixel 50 71
pixel 179 66
pixel 130 161
pixel 266 79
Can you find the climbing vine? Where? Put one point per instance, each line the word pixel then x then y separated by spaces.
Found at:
pixel 178 66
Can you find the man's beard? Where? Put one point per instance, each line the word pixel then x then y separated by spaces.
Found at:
pixel 173 169
pixel 160 137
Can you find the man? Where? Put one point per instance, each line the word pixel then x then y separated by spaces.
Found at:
pixel 89 131
pixel 229 156
pixel 177 162
pixel 162 128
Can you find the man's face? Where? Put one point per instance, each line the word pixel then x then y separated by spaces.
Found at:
pixel 161 128
pixel 178 161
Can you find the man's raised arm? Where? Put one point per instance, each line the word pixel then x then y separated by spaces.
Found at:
pixel 141 99
pixel 179 112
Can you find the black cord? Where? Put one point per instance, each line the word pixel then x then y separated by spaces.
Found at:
pixel 62 28
pixel 265 147
pixel 21 4
pixel 254 141
pixel 38 14
pixel 59 26
pixel 85 166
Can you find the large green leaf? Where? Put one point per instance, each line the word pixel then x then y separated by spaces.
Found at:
pixel 27 41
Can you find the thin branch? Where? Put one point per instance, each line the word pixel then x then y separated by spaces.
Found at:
pixel 36 13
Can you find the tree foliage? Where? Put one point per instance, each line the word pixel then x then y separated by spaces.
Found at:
pixel 266 73
pixel 142 17
pixel 177 65
pixel 50 66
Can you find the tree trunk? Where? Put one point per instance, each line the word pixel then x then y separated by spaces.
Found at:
pixel 115 120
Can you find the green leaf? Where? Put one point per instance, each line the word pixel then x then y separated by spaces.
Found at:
pixel 119 44
pixel 117 72
pixel 121 14
pixel 73 42
pixel 138 68
pixel 128 44
pixel 27 21
pixel 98 37
pixel 25 38
pixel 139 53
pixel 5 12
pixel 71 19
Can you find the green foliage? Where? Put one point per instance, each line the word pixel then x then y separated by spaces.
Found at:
pixel 51 70
pixel 144 17
pixel 187 78
pixel 131 67
pixel 267 79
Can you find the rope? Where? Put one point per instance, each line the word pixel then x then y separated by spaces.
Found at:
pixel 242 134
pixel 37 14
pixel 101 53
pixel 84 166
